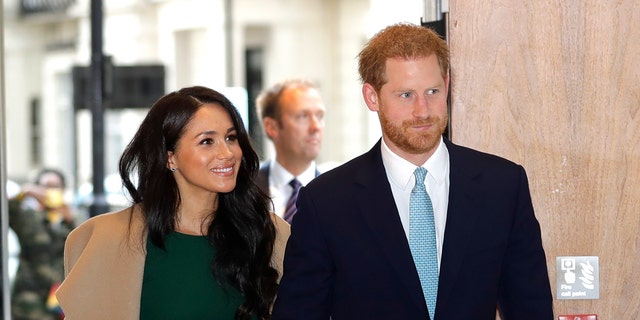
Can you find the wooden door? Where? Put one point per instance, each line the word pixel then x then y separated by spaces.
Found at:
pixel 555 86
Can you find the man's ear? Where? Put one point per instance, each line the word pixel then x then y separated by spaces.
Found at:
pixel 370 97
pixel 446 81
pixel 270 127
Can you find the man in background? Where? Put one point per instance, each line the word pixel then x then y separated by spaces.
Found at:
pixel 292 115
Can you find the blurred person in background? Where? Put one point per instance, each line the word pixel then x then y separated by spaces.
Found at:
pixel 199 242
pixel 41 220
pixel 292 115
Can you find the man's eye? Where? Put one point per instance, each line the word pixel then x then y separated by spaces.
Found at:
pixel 405 94
pixel 432 91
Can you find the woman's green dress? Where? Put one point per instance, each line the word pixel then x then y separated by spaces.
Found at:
pixel 178 283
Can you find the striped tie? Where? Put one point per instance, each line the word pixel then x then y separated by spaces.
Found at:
pixel 422 240
pixel 291 204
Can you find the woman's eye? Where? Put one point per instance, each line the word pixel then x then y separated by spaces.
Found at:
pixel 232 137
pixel 206 141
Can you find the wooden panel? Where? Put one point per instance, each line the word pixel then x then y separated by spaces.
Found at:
pixel 555 86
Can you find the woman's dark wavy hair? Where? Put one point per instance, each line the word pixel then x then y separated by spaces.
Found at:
pixel 242 231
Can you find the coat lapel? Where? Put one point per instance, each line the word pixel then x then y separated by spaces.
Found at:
pixel 104 265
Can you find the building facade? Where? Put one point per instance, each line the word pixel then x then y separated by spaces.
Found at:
pixel 236 46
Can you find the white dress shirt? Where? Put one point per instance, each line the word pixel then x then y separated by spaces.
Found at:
pixel 401 178
pixel 279 187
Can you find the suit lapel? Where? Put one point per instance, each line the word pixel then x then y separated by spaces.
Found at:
pixel 462 214
pixel 380 215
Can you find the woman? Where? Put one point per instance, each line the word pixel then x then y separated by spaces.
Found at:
pixel 199 241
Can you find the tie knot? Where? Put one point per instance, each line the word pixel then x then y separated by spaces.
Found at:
pixel 295 184
pixel 420 173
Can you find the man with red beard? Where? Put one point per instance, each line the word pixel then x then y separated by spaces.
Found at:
pixel 417 227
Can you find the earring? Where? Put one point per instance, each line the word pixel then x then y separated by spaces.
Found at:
pixel 173 169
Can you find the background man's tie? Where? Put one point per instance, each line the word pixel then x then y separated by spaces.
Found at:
pixel 291 204
pixel 422 240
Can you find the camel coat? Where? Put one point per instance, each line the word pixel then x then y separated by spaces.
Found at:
pixel 104 264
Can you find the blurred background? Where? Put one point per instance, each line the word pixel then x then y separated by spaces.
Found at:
pixel 61 60
pixel 547 84
pixel 152 47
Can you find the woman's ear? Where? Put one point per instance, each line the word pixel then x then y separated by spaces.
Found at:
pixel 370 97
pixel 170 162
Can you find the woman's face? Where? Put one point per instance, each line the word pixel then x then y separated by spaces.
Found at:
pixel 207 156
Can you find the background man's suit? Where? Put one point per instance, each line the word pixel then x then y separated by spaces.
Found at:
pixel 348 256
pixel 263 177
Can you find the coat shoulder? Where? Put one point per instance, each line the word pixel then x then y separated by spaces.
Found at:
pixel 283 231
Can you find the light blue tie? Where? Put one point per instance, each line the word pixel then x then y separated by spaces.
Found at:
pixel 422 240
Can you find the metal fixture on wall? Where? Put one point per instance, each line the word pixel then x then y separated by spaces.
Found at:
pixel 440 27
pixel 99 204
pixel 5 304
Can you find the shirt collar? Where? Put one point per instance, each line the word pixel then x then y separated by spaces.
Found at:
pixel 400 171
pixel 281 176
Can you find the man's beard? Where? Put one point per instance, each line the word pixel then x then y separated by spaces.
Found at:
pixel 414 143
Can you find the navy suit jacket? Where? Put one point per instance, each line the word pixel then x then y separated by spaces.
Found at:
pixel 348 256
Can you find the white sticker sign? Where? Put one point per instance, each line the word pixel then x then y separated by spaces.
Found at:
pixel 577 277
